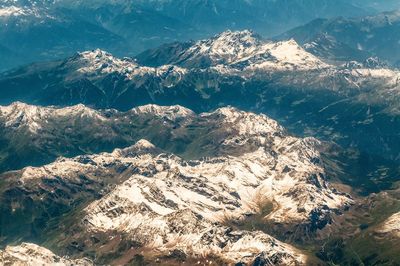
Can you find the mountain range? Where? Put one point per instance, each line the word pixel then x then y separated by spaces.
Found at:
pixel 254 183
pixel 58 28
pixel 232 68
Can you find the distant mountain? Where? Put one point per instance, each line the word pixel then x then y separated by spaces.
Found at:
pixel 141 26
pixel 36 32
pixel 266 17
pixel 387 5
pixel 352 39
pixel 48 30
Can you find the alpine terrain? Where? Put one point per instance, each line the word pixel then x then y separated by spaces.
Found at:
pixel 201 132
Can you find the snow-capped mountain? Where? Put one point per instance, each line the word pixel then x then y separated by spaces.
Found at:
pixel 246 54
pixel 72 130
pixel 13 11
pixel 19 115
pixel 225 150
pixel 160 201
pixel 240 182
pixel 240 48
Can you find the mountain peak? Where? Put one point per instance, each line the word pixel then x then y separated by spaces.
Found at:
pixel 17 104
pixel 142 146
pixel 235 37
pixel 162 196
pixel 225 47
pixel 96 53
